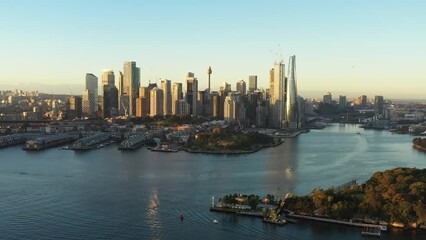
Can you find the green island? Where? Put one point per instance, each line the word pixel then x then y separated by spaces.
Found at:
pixel 230 142
pixel 395 198
pixel 419 143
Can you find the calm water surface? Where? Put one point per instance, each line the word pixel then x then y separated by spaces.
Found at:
pixel 109 194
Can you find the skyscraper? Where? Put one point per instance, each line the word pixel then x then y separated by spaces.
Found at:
pixel 109 94
pixel 176 96
pixel 191 92
pixel 74 107
pixel 292 107
pixel 108 77
pixel 156 102
pixel 90 95
pixel 131 84
pixel 167 96
pixel 229 109
pixel 277 99
pixel 252 83
pixel 241 87
pixel 378 106
pixel 327 98
pixel 342 102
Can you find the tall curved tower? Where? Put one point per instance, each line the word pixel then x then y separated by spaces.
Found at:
pixel 292 107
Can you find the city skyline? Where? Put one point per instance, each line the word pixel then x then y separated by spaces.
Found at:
pixel 368 46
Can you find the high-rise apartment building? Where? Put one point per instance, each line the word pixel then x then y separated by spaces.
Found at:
pixel 229 109
pixel 167 96
pixel 241 87
pixel 252 83
pixel 90 96
pixel 176 96
pixel 156 102
pixel 191 92
pixel 131 84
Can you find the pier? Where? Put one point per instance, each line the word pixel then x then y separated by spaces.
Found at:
pixel 132 143
pixel 90 141
pixel 15 139
pixel 49 141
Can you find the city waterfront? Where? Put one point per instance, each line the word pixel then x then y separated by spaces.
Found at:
pixel 110 194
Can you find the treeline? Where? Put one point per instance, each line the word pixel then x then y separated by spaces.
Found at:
pixel 250 200
pixel 397 195
pixel 421 142
pixel 212 141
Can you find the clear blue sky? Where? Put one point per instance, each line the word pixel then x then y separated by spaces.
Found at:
pixel 354 47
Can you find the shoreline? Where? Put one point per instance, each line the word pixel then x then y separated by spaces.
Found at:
pixel 419 148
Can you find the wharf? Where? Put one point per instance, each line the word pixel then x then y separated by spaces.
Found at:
pixel 49 141
pixel 132 143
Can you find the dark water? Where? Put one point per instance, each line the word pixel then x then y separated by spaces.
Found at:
pixel 108 194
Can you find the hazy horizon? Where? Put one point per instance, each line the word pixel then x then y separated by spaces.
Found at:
pixel 354 47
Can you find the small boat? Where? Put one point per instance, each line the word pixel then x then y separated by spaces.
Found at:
pixel 215 221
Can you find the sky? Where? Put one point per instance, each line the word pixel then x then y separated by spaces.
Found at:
pixel 347 47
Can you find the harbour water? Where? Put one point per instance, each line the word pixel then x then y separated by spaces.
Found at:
pixel 111 194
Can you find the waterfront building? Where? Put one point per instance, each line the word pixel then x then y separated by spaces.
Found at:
pixel 131 84
pixel 167 96
pixel 378 106
pixel 74 107
pixel 252 83
pixel 156 102
pixel 342 102
pixel 191 92
pixel 90 95
pixel 327 98
pixel 176 96
pixel 292 106
pixel 241 87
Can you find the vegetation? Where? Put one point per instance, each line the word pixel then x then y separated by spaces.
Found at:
pixel 397 195
pixel 420 142
pixel 230 141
